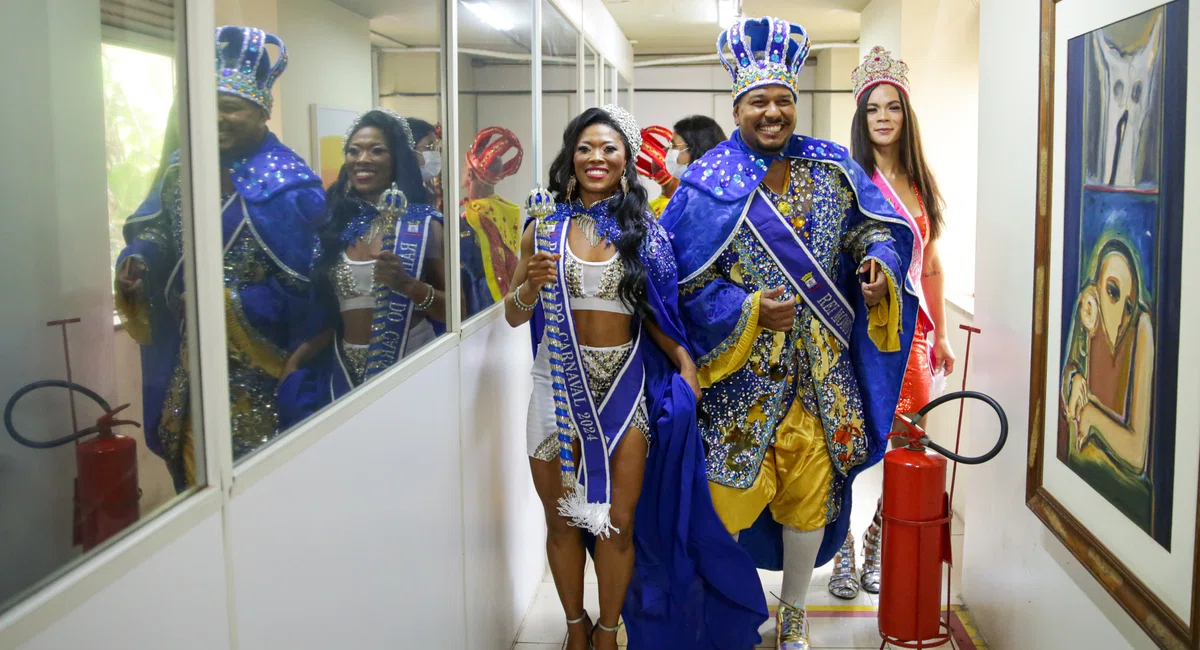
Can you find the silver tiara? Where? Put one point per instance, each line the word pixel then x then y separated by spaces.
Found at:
pixel 628 126
pixel 412 144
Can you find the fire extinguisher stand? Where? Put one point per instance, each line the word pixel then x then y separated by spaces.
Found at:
pixel 916 528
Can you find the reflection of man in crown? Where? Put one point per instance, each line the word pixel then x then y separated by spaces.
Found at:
pixel 490 236
pixel 271 205
pixel 652 163
pixel 794 282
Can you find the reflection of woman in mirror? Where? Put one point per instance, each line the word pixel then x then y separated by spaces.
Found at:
pixel 612 420
pixel 1108 378
pixel 490 238
pixel 886 142
pixel 428 139
pixel 379 152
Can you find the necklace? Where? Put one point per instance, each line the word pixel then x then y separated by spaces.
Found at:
pixel 587 225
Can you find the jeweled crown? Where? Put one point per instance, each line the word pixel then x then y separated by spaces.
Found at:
pixel 486 155
pixel 879 67
pixel 244 68
pixel 540 203
pixel 628 125
pixel 656 140
pixel 764 53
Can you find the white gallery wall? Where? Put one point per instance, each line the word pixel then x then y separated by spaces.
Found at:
pixel 1024 588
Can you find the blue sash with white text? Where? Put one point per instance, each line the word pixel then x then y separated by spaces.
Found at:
pixel 600 426
pixel 800 267
pixel 393 310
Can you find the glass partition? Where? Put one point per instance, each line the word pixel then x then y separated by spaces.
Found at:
pixel 624 94
pixel 495 125
pixel 560 82
pixel 332 210
pixel 99 329
pixel 591 79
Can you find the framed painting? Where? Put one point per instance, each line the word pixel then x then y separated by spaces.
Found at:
pixel 329 127
pixel 1114 415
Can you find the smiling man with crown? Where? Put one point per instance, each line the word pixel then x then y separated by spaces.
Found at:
pixel 794 289
pixel 271 206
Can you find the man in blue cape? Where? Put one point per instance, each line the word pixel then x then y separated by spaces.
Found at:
pixel 793 289
pixel 271 206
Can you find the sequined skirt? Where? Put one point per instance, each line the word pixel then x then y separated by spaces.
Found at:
pixel 355 356
pixel 602 366
pixel 918 377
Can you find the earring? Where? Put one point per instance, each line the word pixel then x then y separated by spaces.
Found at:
pixel 624 185
pixel 570 187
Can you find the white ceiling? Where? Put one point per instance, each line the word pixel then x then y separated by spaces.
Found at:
pixel 690 26
pixel 657 26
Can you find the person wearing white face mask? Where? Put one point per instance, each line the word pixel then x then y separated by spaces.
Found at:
pixel 429 149
pixel 694 136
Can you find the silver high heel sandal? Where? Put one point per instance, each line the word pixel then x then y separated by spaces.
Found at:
pixel 581 619
pixel 871 575
pixel 601 626
pixel 843 583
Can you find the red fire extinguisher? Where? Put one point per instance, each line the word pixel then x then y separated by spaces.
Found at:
pixel 106 484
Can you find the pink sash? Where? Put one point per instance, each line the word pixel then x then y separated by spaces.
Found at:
pixel 918 253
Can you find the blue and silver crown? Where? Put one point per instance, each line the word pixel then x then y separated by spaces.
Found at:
pixel 243 67
pixel 540 203
pixel 764 53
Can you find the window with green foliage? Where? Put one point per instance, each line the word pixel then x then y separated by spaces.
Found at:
pixel 138 96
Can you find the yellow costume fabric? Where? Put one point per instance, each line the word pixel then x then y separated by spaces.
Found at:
pixel 505 217
pixel 795 481
pixel 658 204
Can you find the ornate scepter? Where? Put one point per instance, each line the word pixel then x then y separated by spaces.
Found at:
pixel 392 203
pixel 540 205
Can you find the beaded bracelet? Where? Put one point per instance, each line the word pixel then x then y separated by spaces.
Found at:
pixel 516 294
pixel 428 301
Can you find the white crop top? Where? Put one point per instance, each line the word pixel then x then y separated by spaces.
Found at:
pixel 354 283
pixel 593 285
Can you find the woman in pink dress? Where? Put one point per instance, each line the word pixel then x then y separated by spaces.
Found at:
pixel 886 141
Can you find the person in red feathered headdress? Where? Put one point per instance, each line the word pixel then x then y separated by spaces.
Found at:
pixel 652 163
pixel 490 239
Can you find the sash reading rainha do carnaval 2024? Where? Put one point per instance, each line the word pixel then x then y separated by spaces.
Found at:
pixel 599 426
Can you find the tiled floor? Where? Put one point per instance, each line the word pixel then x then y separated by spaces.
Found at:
pixel 834 624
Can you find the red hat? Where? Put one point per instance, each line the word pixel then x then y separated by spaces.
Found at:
pixel 486 154
pixel 656 140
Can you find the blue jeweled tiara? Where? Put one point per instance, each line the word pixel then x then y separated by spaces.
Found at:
pixel 764 53
pixel 243 67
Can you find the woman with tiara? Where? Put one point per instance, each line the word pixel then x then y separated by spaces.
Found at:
pixel 615 452
pixel 886 142
pixel 381 260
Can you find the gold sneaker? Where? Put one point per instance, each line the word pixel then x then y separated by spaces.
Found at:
pixel 792 629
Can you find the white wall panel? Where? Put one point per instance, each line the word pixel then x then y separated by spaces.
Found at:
pixel 357 542
pixel 175 599
pixel 504 529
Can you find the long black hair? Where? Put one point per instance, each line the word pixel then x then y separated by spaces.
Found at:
pixel 406 173
pixel 630 210
pixel 912 156
pixel 700 133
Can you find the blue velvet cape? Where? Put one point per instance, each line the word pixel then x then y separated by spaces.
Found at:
pixel 692 586
pixel 284 208
pixel 702 218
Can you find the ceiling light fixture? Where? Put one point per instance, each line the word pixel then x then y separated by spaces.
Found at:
pixel 491 15
pixel 727 12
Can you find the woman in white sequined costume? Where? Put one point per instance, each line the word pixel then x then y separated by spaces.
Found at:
pixel 610 251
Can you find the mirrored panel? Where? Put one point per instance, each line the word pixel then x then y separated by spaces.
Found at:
pixel 560 82
pixel 624 94
pixel 333 202
pixel 591 78
pixel 495 125
pixel 99 374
